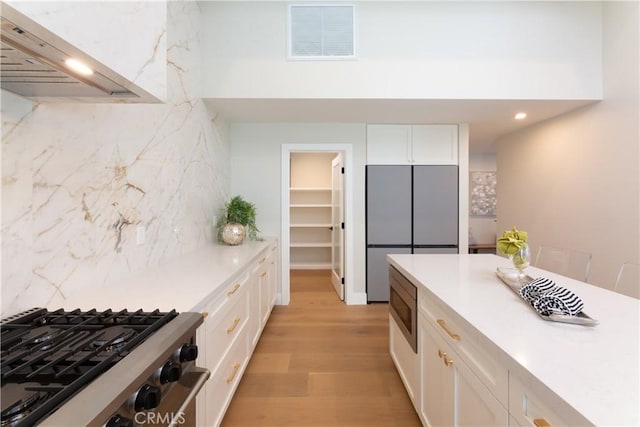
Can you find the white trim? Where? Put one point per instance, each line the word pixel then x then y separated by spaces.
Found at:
pixel 359 298
pixel 463 188
pixel 350 298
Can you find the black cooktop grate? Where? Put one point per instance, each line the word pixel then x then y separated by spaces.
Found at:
pixel 60 351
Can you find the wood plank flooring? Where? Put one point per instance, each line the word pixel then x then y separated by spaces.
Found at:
pixel 320 363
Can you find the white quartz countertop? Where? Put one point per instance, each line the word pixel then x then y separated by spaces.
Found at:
pixel 593 369
pixel 182 283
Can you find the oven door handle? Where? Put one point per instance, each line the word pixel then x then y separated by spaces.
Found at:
pixel 193 380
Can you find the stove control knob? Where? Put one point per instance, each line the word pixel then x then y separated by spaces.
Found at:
pixel 170 372
pixel 148 397
pixel 188 352
pixel 118 421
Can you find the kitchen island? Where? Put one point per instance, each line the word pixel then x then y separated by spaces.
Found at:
pixel 584 374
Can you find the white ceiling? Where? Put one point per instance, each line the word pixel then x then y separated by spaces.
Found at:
pixel 488 119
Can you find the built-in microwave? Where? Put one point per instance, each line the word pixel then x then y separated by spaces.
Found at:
pixel 403 306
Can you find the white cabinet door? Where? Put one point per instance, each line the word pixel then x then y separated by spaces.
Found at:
pixel 265 301
pixel 273 275
pixel 476 406
pixel 406 361
pixel 437 394
pixel 434 144
pixel 412 144
pixel 388 144
pixel 254 327
pixel 452 395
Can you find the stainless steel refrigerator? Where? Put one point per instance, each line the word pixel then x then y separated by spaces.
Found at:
pixel 409 209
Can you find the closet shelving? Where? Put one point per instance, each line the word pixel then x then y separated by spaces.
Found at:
pixel 310 227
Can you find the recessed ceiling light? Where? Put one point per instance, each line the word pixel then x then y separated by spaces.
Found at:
pixel 520 116
pixel 78 66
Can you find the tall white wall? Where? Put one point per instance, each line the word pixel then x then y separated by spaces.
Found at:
pixel 574 181
pixel 415 49
pixel 77 179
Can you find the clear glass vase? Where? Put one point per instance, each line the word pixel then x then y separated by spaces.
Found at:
pixel 522 258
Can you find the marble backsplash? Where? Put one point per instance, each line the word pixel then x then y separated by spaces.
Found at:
pixel 79 180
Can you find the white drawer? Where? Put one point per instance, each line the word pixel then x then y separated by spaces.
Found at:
pixel 484 363
pixel 227 296
pixel 225 326
pixel 528 408
pixel 224 380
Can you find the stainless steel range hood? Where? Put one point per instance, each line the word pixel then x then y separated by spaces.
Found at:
pixel 33 65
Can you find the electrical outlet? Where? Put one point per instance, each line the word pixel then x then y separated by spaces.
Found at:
pixel 140 235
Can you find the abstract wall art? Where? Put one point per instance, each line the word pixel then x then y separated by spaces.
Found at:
pixel 483 193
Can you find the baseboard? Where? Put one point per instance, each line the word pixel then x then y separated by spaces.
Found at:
pixel 356 298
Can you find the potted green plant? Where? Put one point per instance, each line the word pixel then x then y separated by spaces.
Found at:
pixel 237 220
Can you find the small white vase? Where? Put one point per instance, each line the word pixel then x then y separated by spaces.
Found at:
pixel 233 233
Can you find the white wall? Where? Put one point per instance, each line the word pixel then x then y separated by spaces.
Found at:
pixel 77 179
pixel 256 172
pixel 411 50
pixel 311 170
pixel 574 181
pixel 483 228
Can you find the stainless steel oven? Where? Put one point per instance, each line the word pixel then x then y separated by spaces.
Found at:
pixel 103 369
pixel 403 306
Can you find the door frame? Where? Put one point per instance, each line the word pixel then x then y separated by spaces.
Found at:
pixel 347 152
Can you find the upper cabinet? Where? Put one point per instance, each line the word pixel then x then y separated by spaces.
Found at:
pixel 412 144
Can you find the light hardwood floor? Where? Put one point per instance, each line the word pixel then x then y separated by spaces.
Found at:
pixel 319 363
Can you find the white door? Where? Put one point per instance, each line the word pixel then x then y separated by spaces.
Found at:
pixel 337 225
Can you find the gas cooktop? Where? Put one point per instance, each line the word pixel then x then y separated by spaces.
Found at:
pixel 48 356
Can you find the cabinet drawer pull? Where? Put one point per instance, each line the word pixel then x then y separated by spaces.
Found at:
pixel 230 378
pixel 233 291
pixel 262 260
pixel 447 361
pixel 441 354
pixel 444 326
pixel 541 422
pixel 232 327
pixel 264 273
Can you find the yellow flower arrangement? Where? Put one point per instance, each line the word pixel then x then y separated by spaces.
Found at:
pixel 512 241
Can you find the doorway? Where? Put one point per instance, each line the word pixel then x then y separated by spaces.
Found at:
pixel 316 213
